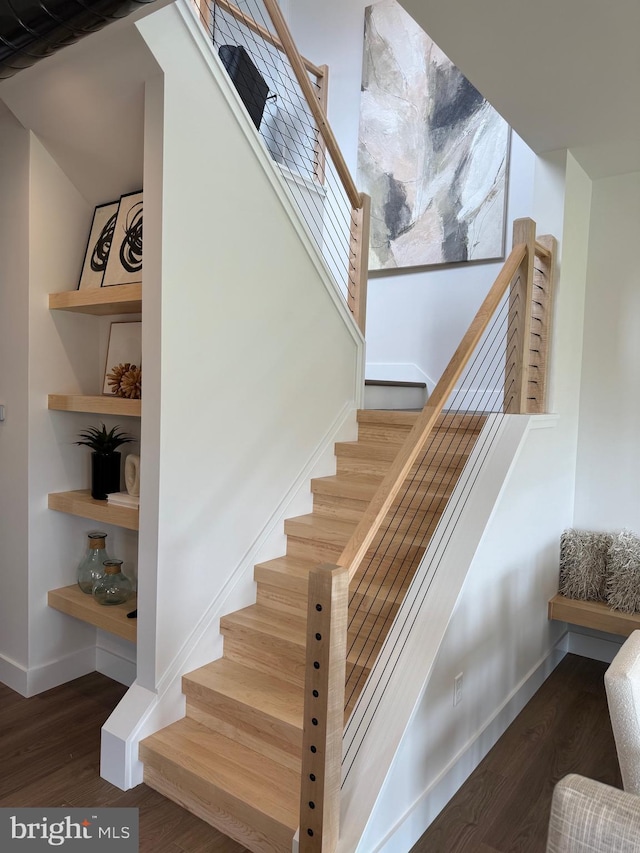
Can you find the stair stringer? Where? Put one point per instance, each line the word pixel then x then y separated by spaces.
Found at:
pixel 142 712
pixel 402 671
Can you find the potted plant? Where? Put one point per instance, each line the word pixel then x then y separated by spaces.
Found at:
pixel 105 459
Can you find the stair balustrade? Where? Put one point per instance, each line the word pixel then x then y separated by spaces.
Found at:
pixel 294 127
pixel 500 368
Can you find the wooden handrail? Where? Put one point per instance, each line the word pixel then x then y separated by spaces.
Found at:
pixel 319 115
pixel 381 502
pixel 264 33
pixel 542 251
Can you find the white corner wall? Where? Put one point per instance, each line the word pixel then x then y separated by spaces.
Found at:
pixel 14 366
pixel 258 360
pixel 499 635
pixel 608 476
pixel 415 318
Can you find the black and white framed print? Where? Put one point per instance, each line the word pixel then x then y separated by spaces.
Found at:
pixel 98 245
pixel 125 259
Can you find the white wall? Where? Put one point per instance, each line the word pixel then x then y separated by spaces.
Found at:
pixel 14 364
pixel 608 477
pixel 499 635
pixel 259 357
pixel 415 319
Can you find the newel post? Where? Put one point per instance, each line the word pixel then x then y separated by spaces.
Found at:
pixel 541 322
pixel 359 261
pixel 324 709
pixel 516 384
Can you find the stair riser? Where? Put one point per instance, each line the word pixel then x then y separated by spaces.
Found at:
pixel 446 420
pixel 226 813
pixel 282 599
pixel 263 739
pixel 396 435
pixel 343 489
pixel 439 449
pixel 434 472
pixel 397 535
pixel 308 549
pixel 375 600
pixel 266 654
pixel 348 509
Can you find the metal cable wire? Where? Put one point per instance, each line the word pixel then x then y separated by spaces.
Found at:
pixel 402 541
pixel 293 139
pixel 423 585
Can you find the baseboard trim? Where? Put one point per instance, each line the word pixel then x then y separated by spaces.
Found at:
pixel 597 646
pixel 29 682
pixel 13 675
pixel 428 806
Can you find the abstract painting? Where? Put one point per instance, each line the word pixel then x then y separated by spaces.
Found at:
pixel 125 259
pixel 98 245
pixel 432 151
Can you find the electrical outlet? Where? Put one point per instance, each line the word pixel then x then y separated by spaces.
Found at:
pixel 457 688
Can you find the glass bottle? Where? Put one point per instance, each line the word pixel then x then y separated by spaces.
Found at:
pixel 91 566
pixel 113 587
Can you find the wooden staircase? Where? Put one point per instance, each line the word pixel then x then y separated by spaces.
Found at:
pixel 235 759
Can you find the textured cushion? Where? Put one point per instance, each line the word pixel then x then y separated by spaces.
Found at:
pixel 583 564
pixel 622 683
pixel 623 572
pixel 589 817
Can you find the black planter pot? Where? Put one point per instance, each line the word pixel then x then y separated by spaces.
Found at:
pixel 105 474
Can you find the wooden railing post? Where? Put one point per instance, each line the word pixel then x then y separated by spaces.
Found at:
pixel 541 321
pixel 359 262
pixel 204 10
pixel 323 709
pixel 320 149
pixel 281 28
pixel 516 384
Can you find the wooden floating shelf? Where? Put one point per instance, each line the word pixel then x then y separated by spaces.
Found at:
pixel 593 614
pixel 100 301
pixel 96 404
pixel 113 617
pixel 82 504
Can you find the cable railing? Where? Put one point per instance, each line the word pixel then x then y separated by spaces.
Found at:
pixel 286 97
pixel 365 604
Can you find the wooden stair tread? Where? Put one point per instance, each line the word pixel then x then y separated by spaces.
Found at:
pixel 452 419
pixel 291 572
pixel 274 697
pixel 269 787
pixel 331 530
pixel 291 628
pixel 388 451
pixel 314 526
pixel 362 486
pixel 264 620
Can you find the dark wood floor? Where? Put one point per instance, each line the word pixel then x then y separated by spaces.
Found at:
pixel 49 756
pixel 504 805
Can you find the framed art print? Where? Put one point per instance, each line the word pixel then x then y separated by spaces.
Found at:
pixel 124 265
pixel 98 245
pixel 124 352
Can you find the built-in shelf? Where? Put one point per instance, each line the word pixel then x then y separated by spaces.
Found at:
pixel 593 614
pixel 81 503
pixel 113 617
pixel 97 404
pixel 119 299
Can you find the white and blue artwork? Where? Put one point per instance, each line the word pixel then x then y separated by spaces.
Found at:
pixel 432 151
